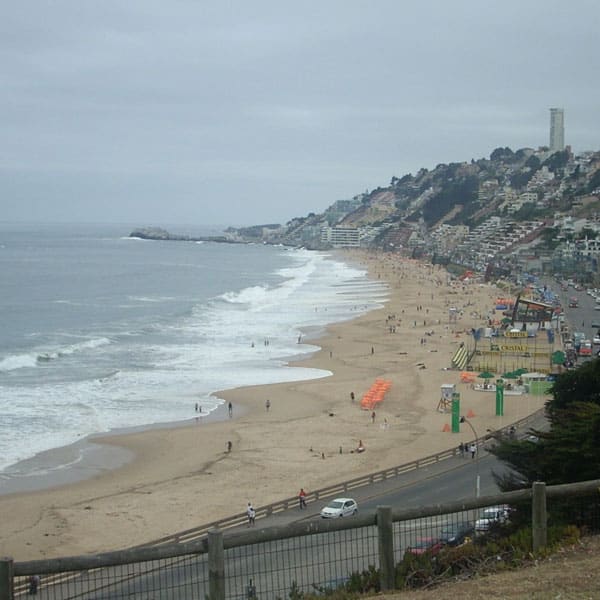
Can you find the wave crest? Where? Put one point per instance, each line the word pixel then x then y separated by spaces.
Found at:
pixel 23 361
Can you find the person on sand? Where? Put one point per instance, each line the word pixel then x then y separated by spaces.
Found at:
pixel 229 446
pixel 230 410
pixel 360 447
pixel 373 417
pixel 268 404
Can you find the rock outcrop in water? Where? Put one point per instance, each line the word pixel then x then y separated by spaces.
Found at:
pixel 157 233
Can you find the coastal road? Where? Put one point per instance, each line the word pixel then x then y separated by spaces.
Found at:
pixel 581 318
pixel 451 480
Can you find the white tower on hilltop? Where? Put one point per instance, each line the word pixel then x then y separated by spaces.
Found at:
pixel 557 129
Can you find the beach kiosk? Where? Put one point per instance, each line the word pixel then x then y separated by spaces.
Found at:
pixel 445 403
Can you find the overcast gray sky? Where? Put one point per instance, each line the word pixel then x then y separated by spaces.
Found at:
pixel 244 112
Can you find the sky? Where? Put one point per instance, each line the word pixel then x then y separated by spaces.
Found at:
pixel 216 112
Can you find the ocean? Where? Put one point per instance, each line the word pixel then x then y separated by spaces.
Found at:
pixel 101 332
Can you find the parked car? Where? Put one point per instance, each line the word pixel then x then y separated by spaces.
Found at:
pixel 340 507
pixel 596 340
pixel 455 534
pixel 428 545
pixel 491 515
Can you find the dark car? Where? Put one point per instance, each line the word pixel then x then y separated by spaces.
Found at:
pixel 427 545
pixel 455 534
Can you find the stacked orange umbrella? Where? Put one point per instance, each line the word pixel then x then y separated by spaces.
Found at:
pixel 375 394
pixel 467 376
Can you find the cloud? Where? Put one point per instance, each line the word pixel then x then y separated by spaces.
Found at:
pixel 145 106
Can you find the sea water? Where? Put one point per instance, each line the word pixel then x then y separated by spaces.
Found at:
pixel 101 332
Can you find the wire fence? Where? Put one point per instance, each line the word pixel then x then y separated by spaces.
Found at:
pixel 304 557
pixel 181 577
pixel 306 564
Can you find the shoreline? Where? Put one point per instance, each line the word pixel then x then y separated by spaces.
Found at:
pixel 94 455
pixel 183 476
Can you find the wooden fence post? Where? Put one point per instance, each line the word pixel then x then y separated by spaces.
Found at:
pixel 385 535
pixel 539 522
pixel 216 565
pixel 6 578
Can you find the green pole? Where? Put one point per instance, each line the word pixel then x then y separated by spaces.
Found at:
pixel 499 398
pixel 455 412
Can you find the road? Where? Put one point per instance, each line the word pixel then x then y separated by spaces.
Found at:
pixel 581 318
pixel 325 557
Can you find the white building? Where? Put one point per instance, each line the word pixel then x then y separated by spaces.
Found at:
pixel 341 237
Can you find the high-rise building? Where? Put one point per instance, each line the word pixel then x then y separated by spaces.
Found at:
pixel 557 129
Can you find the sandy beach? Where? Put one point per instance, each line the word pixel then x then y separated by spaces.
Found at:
pixel 181 477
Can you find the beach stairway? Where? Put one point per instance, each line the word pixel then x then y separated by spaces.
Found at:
pixel 375 394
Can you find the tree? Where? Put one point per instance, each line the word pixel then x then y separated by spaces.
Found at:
pixel 557 161
pixel 501 154
pixel 579 385
pixel 570 450
pixel 594 182
pixel 533 162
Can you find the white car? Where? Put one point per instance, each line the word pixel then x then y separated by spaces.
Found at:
pixel 340 507
pixel 491 515
pixel 596 340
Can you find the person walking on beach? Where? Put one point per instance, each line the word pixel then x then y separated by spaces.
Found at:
pixel 268 404
pixel 229 446
pixel 373 417
pixel 251 514
pixel 302 498
pixel 230 409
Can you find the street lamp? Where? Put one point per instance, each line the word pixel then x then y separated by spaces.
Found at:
pixel 478 478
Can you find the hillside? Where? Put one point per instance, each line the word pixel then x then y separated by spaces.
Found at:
pixel 452 210
pixel 567 574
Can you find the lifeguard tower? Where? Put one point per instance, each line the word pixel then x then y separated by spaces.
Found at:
pixel 445 403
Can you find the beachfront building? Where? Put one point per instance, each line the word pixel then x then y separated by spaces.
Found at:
pixel 341 237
